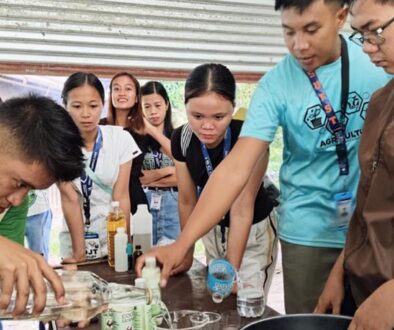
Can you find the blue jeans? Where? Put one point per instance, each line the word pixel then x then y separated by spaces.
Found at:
pixel 38 228
pixel 166 220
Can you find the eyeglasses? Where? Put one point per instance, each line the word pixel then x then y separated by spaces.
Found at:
pixel 373 37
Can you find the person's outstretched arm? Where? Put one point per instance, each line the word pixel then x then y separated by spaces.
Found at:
pixel 25 269
pixel 72 210
pixel 334 291
pixel 121 192
pixel 223 187
pixel 242 212
pixel 377 311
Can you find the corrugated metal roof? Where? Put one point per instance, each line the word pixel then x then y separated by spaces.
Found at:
pixel 152 34
pixel 245 35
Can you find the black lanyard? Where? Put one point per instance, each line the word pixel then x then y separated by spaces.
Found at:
pixel 86 181
pixel 209 167
pixel 336 124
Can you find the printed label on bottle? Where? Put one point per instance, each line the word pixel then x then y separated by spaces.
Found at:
pixel 92 246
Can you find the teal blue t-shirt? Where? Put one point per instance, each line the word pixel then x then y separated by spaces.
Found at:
pixel 309 176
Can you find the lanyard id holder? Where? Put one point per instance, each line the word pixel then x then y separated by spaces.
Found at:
pixel 343 200
pixel 209 167
pixel 92 240
pixel 155 202
pixel 343 204
pixel 92 245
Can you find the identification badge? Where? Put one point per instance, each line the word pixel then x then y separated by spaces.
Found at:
pixel 92 246
pixel 155 202
pixel 343 202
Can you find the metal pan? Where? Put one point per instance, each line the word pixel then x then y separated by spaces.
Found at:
pixel 301 322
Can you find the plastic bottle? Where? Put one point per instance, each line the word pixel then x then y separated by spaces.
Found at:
pixel 250 293
pixel 121 262
pixel 137 253
pixel 86 295
pixel 142 227
pixel 115 219
pixel 151 273
pixel 130 263
pixel 142 313
pixel 220 279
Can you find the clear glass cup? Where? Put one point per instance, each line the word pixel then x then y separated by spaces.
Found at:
pixel 214 321
pixel 187 319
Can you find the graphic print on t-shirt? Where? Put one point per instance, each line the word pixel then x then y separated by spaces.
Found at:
pixel 316 119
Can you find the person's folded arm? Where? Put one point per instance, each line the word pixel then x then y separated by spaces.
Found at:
pixel 150 176
pixel 163 140
pixel 168 181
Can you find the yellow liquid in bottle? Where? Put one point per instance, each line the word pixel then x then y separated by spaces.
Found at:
pixel 115 219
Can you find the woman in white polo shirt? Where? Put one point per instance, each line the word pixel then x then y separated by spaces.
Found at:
pixel 109 151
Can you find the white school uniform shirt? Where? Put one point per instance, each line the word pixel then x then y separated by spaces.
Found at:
pixel 40 203
pixel 118 148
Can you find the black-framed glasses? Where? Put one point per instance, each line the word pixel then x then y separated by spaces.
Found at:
pixel 374 37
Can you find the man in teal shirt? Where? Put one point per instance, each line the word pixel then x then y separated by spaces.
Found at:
pixel 320 171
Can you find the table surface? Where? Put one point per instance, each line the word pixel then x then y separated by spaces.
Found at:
pixel 186 291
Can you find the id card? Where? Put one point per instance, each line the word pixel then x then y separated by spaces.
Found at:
pixel 343 203
pixel 92 246
pixel 155 202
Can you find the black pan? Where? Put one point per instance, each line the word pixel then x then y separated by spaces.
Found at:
pixel 301 322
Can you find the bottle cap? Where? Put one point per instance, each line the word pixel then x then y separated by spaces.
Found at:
pixel 150 262
pixel 115 203
pixel 140 282
pixel 120 230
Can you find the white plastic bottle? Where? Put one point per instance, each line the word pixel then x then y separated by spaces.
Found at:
pixel 151 274
pixel 142 228
pixel 142 313
pixel 121 262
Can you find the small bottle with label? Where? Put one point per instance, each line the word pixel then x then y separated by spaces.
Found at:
pixel 115 219
pixel 137 253
pixel 121 262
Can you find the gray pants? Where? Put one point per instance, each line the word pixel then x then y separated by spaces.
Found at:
pixel 305 272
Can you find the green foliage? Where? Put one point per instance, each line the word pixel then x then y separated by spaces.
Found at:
pixel 244 94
